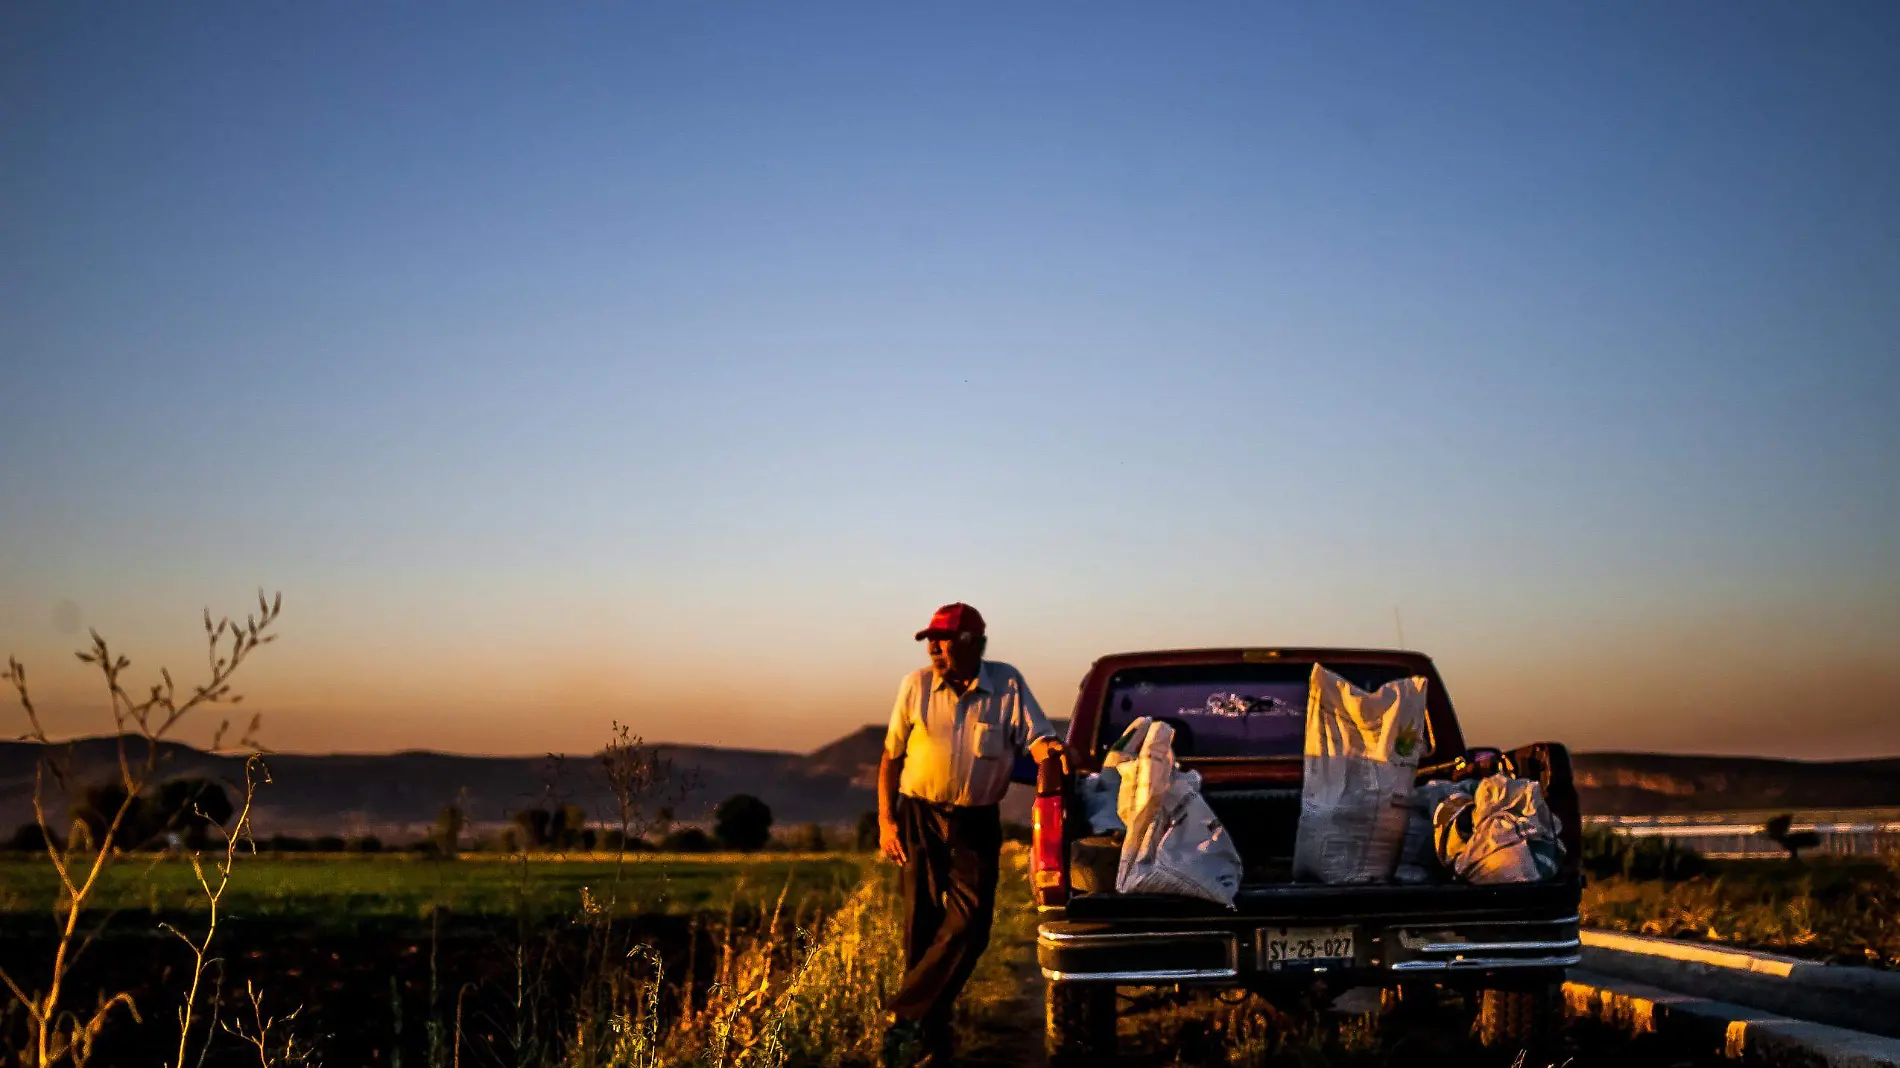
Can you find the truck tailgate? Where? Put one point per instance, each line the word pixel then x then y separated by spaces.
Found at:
pixel 1301 901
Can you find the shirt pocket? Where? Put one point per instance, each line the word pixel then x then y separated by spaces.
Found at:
pixel 990 741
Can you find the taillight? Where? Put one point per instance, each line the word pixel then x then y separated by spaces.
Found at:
pixel 1048 861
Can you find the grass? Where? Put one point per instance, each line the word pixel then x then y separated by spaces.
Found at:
pixel 1842 910
pixel 342 888
pixel 803 951
pixel 820 1005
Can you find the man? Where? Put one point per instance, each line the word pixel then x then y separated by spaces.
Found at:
pixel 955 732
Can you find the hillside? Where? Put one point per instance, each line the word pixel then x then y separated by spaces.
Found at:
pixel 396 793
pixel 1619 784
pixel 400 793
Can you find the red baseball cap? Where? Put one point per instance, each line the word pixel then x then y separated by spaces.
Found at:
pixel 958 621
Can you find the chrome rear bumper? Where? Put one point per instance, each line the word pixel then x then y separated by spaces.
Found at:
pixel 1229 951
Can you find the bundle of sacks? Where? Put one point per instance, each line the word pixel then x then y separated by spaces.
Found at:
pixel 1493 830
pixel 1501 832
pixel 1362 819
pixel 1173 843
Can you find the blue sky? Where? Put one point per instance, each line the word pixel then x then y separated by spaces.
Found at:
pixel 671 364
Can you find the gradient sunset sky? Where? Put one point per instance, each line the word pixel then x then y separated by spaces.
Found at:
pixel 671 362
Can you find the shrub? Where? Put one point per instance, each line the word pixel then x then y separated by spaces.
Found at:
pixel 809 838
pixel 193 807
pixel 742 822
pixel 1608 852
pixel 560 827
pixel 687 840
pixel 1780 830
pixel 615 841
pixel 30 838
pixel 447 835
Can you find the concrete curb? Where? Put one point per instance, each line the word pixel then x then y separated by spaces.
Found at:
pixel 1864 999
pixel 1707 1027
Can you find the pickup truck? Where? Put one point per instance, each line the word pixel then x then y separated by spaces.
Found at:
pixel 1506 944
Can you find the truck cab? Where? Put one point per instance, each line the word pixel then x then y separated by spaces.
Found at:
pixel 1509 944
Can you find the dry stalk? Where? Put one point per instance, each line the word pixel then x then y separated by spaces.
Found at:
pixel 57 1032
pixel 238 837
pixel 274 1040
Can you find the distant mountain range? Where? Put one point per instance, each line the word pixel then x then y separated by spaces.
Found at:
pixel 1641 784
pixel 395 794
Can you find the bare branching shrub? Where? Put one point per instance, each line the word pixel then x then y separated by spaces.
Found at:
pixel 273 1039
pixel 57 1031
pixel 642 782
pixel 213 888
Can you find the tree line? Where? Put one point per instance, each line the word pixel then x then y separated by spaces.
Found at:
pixel 181 813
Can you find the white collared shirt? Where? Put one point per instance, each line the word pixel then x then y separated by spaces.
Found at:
pixel 958 750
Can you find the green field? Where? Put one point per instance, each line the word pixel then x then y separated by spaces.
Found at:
pixel 354 886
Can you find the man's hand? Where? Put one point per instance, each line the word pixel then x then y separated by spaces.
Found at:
pixel 888 841
pixel 1045 749
pixel 890 772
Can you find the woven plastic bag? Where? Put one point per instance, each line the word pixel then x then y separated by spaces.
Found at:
pixel 1418 856
pixel 1362 753
pixel 1175 844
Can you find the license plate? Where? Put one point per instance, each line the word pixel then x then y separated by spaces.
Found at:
pixel 1305 947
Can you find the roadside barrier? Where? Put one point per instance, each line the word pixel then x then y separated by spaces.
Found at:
pixel 1704 1026
pixel 1863 999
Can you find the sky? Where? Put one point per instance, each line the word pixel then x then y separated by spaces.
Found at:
pixel 668 364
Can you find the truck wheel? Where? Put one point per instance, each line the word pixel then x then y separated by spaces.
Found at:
pixel 1408 1008
pixel 1408 1001
pixel 1520 1018
pixel 1081 1024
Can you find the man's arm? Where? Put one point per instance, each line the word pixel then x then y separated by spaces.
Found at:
pixel 890 771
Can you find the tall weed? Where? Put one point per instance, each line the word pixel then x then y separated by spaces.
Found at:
pixel 779 996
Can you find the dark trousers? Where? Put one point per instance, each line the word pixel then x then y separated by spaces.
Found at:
pixel 949 888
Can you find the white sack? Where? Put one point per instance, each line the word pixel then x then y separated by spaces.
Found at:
pixel 1362 753
pixel 1503 832
pixel 1145 774
pixel 1175 843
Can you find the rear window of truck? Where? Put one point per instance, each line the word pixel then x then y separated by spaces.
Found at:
pixel 1227 710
